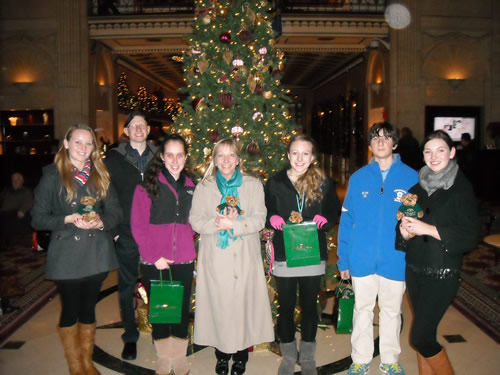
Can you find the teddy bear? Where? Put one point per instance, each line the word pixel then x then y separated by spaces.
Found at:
pixel 409 208
pixel 295 217
pixel 231 201
pixel 87 210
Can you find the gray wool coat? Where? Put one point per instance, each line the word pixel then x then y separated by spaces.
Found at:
pixel 232 304
pixel 74 253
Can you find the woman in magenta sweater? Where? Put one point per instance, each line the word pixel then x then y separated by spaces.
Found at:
pixel 159 223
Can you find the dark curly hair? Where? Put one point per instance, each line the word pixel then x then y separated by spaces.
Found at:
pixel 151 183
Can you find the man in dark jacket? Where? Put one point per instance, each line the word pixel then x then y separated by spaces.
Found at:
pixel 127 164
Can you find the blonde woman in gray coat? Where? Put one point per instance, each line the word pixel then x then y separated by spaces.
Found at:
pixel 232 305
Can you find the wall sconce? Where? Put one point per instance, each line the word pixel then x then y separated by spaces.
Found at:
pixel 376 87
pixel 22 86
pixel 455 83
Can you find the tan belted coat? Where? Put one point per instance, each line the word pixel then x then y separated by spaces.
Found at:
pixel 232 304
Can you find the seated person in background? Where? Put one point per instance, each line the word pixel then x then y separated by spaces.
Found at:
pixel 15 203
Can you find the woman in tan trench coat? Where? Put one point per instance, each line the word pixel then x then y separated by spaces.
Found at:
pixel 232 305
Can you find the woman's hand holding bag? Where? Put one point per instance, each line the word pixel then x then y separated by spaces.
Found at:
pixel 320 221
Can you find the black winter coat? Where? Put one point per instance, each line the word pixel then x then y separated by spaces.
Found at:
pixel 74 253
pixel 125 176
pixel 454 212
pixel 281 199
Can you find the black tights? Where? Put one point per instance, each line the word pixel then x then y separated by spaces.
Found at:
pixel 430 298
pixel 78 299
pixel 287 299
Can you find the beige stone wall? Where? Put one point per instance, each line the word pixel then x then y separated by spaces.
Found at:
pixel 446 39
pixel 46 43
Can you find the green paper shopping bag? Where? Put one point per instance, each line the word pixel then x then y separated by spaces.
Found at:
pixel 301 244
pixel 165 301
pixel 344 306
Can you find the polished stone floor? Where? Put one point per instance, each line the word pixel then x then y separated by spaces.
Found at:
pixel 35 347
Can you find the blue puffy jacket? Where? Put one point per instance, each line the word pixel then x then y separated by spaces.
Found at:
pixel 368 222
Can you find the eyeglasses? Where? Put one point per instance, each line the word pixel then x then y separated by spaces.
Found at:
pixel 138 126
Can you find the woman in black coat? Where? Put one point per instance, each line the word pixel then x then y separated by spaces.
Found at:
pixel 304 188
pixel 448 229
pixel 75 201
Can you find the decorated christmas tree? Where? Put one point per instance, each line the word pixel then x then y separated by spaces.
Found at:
pixel 232 73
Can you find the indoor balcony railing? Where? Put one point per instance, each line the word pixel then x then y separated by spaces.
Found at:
pixel 141 7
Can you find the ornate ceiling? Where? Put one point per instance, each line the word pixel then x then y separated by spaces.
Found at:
pixel 317 49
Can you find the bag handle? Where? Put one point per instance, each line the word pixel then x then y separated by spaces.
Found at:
pixel 169 271
pixel 344 283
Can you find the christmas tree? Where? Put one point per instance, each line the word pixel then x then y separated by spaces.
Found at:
pixel 232 73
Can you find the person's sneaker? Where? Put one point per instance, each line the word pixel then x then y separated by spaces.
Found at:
pixel 358 369
pixel 392 369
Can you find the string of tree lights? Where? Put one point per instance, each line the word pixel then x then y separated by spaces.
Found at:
pixel 232 72
pixel 144 101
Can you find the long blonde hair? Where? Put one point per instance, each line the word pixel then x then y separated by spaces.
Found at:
pixel 310 182
pixel 234 146
pixel 99 179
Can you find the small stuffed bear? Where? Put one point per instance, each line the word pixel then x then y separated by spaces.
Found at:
pixel 295 217
pixel 410 208
pixel 86 208
pixel 231 201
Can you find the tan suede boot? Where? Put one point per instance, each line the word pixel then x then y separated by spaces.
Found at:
pixel 70 340
pixel 164 355
pixel 440 363
pixel 180 363
pixel 423 366
pixel 87 338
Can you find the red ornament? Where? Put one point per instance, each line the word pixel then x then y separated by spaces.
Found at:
pixel 225 37
pixel 245 36
pixel 213 136
pixel 226 100
pixel 253 148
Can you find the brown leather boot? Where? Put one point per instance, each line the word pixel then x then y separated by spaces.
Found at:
pixel 423 366
pixel 164 355
pixel 87 336
pixel 70 340
pixel 440 363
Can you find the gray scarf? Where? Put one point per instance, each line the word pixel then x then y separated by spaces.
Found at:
pixel 444 179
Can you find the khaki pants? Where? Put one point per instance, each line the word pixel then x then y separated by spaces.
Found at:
pixel 390 296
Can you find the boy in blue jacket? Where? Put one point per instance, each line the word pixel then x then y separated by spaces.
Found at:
pixel 367 253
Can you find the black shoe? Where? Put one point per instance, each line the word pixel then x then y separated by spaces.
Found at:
pixel 222 367
pixel 238 368
pixel 129 351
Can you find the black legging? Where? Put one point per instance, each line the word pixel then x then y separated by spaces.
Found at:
pixel 180 272
pixel 287 299
pixel 430 298
pixel 78 299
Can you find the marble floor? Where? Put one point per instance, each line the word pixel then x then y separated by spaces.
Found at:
pixel 35 347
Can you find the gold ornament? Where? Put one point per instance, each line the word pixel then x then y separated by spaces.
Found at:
pixel 206 19
pixel 200 106
pixel 203 65
pixel 250 14
pixel 227 56
pixel 267 94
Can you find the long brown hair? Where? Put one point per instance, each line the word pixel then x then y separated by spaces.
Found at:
pixel 310 182
pixel 99 179
pixel 151 177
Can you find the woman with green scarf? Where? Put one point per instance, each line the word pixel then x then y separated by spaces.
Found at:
pixel 232 304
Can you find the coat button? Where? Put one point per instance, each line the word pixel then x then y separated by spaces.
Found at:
pixel 73 204
pixel 58 237
pixel 77 237
pixel 91 234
